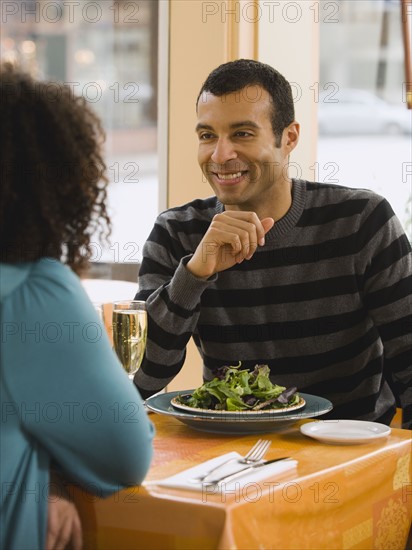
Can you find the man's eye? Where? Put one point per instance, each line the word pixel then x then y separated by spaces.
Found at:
pixel 243 134
pixel 205 136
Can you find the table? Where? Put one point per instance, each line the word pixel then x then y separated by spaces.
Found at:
pixel 342 496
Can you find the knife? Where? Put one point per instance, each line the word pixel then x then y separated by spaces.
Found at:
pixel 239 473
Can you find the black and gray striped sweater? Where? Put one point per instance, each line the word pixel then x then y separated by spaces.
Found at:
pixel 326 302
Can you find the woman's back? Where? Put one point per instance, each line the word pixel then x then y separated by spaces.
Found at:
pixel 66 401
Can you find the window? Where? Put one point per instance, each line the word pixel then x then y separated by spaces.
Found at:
pixel 364 124
pixel 107 51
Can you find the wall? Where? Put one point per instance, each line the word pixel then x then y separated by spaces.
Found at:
pixel 197 45
pixel 289 42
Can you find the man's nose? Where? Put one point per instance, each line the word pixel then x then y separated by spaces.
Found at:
pixel 224 151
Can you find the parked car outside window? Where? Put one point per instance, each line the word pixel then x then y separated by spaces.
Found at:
pixel 352 111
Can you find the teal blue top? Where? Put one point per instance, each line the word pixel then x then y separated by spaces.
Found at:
pixel 65 400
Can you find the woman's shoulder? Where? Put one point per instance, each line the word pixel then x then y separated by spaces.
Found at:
pixel 52 271
pixel 47 276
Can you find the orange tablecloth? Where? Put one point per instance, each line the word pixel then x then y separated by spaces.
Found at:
pixel 342 496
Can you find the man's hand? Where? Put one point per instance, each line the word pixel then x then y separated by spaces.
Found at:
pixel 64 530
pixel 233 236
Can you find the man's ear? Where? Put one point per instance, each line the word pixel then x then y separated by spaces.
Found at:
pixel 290 136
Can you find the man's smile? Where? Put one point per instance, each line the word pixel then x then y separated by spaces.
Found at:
pixel 227 178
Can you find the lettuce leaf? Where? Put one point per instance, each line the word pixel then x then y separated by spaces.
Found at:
pixel 236 389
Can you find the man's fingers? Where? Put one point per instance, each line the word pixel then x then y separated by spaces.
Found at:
pixel 232 237
pixel 248 221
pixel 246 231
pixel 225 238
pixel 243 231
pixel 239 240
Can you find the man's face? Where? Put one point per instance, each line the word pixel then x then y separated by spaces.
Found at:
pixel 237 151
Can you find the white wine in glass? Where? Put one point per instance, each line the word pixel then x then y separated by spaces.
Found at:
pixel 130 333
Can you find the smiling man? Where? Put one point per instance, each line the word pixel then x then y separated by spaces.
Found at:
pixel 245 162
pixel 313 280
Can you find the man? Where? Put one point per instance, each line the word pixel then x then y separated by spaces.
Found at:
pixel 313 280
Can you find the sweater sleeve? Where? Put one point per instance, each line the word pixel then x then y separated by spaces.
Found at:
pixel 172 296
pixel 387 285
pixel 72 395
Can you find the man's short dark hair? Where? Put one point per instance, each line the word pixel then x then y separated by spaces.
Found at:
pixel 237 75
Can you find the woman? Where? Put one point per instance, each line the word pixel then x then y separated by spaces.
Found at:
pixel 67 405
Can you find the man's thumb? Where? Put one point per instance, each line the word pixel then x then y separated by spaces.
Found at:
pixel 267 223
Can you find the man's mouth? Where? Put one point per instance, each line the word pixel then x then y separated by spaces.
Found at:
pixel 229 177
pixel 232 176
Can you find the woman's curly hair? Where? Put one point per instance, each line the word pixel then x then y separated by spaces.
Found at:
pixel 53 181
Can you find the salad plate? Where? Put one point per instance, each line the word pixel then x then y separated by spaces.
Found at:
pixel 211 412
pixel 345 431
pixel 237 422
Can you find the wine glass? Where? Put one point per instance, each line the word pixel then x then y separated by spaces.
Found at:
pixel 130 333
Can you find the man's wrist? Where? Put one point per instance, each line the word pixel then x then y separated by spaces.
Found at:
pixel 195 271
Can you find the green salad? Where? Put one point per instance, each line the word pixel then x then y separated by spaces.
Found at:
pixel 236 389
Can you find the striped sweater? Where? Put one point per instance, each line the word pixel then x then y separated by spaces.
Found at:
pixel 326 302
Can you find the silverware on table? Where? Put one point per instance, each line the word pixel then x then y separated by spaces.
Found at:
pixel 239 473
pixel 256 453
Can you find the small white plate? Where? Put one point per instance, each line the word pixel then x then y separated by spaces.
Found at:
pixel 345 431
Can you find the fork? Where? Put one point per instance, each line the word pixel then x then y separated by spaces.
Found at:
pixel 256 453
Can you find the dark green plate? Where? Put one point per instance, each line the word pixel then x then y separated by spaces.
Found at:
pixel 241 421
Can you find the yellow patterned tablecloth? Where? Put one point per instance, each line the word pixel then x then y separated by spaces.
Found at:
pixel 342 496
